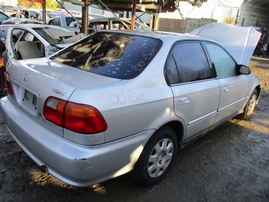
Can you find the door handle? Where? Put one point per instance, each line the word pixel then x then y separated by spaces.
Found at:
pixel 226 89
pixel 184 100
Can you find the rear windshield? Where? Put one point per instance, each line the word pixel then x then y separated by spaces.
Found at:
pixel 116 55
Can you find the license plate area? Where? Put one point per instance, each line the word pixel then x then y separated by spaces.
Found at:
pixel 29 101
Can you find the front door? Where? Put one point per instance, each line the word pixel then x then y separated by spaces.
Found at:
pixel 233 87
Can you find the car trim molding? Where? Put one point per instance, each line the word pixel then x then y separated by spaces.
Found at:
pixel 222 108
pixel 202 117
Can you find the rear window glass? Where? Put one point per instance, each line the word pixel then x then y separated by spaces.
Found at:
pixel 116 55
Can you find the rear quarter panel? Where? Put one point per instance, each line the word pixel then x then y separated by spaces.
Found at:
pixel 135 105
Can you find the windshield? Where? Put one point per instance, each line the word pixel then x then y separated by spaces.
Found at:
pixel 116 55
pixel 53 35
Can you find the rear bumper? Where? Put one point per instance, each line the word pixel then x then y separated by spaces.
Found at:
pixel 72 163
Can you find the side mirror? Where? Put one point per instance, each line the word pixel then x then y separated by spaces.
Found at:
pixel 244 70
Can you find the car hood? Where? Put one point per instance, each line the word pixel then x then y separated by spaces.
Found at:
pixel 240 42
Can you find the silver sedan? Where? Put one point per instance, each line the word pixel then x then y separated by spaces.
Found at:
pixel 121 101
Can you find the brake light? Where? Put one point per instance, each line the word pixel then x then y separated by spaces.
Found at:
pixel 54 110
pixel 73 116
pixel 7 79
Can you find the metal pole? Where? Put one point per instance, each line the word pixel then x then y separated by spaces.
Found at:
pixel 133 14
pixel 44 11
pixel 85 18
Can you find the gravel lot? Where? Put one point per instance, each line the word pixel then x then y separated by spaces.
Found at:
pixel 230 163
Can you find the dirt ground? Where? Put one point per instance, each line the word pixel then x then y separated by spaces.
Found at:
pixel 230 163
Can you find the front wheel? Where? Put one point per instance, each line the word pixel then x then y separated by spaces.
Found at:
pixel 157 157
pixel 250 106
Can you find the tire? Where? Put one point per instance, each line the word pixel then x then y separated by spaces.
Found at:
pixel 250 106
pixel 157 157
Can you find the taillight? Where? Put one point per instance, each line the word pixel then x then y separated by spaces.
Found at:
pixel 73 116
pixel 54 110
pixel 7 79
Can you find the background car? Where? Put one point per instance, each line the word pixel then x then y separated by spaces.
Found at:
pixel 21 21
pixel 64 21
pixel 29 14
pixel 114 23
pixel 3 17
pixel 8 9
pixel 121 101
pixel 24 41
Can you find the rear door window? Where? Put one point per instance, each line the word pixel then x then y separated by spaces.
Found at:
pixel 121 56
pixel 69 20
pixel 189 61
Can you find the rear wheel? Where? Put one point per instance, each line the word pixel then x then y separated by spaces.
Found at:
pixel 250 106
pixel 157 157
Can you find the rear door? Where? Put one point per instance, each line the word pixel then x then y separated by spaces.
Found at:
pixel 196 91
pixel 233 86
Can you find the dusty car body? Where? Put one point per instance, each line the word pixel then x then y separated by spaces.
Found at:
pixel 21 21
pixel 121 101
pixel 24 41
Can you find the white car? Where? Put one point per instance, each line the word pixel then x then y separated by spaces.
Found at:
pixel 25 41
pixel 13 21
pixel 3 17
pixel 65 21
pixel 121 101
pixel 114 23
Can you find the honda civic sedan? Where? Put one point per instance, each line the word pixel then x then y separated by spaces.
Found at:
pixel 123 101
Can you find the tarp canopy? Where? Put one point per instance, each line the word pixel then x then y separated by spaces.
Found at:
pixel 240 42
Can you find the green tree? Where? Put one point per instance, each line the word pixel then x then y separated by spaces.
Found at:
pixel 229 16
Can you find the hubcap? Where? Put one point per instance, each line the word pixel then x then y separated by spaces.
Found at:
pixel 160 157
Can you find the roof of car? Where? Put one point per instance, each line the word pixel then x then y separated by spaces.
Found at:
pixel 21 20
pixel 161 35
pixel 100 19
pixel 32 26
pixel 4 28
